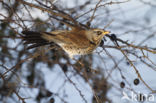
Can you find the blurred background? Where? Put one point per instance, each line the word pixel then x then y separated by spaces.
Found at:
pixel 124 64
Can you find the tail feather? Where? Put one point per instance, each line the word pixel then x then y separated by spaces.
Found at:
pixel 37 45
pixel 34 38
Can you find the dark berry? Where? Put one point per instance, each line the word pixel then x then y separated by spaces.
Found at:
pixel 127 63
pixel 113 37
pixel 136 81
pixel 122 84
pixel 65 68
pixel 49 93
pixel 52 100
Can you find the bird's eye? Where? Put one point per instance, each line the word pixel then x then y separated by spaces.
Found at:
pixel 99 32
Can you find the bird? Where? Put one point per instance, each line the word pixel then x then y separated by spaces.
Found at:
pixel 73 42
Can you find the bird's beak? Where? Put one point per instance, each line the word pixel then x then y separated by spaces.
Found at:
pixel 106 32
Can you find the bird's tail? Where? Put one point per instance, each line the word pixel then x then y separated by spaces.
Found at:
pixel 34 39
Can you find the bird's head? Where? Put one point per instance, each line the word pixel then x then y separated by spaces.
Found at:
pixel 95 35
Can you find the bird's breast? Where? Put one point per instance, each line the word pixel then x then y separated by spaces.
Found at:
pixel 74 50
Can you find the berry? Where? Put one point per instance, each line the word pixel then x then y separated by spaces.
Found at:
pixel 52 100
pixel 136 81
pixel 113 37
pixel 65 68
pixel 122 84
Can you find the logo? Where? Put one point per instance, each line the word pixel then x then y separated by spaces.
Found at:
pixel 139 97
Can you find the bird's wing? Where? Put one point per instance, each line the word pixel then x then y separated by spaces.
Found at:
pixel 59 37
pixel 79 39
pixel 73 37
